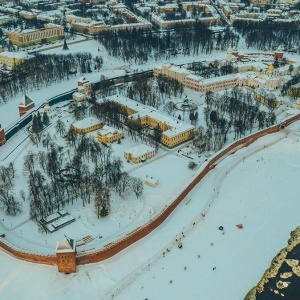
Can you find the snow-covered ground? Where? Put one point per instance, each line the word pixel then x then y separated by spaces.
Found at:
pixel 112 67
pixel 256 186
pixel 126 215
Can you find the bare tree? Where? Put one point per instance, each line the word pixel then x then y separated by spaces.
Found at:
pixel 8 203
pixel 60 127
pixel 98 205
pixel 23 195
pixel 137 186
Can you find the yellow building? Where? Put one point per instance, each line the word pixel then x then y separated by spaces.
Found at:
pixel 91 28
pixel 174 131
pixel 139 153
pixel 150 181
pixel 195 82
pixel 5 19
pixel 87 125
pixel 34 37
pixel 12 59
pixel 72 18
pixel 176 136
pixel 109 135
pixel 260 2
pixel 267 99
pixel 27 15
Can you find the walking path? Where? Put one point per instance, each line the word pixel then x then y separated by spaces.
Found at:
pixel 199 217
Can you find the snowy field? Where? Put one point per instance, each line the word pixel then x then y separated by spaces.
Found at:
pixel 126 214
pixel 256 187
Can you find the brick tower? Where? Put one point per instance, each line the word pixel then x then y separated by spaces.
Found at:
pixel 2 136
pixel 25 105
pixel 66 255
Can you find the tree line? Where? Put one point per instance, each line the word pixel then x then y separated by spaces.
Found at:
pixel 212 69
pixel 8 201
pixel 274 34
pixel 233 111
pixel 139 45
pixel 153 92
pixel 41 70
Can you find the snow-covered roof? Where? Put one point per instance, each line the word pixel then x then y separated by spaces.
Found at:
pixel 108 131
pixel 78 95
pixel 86 123
pixel 65 245
pixel 180 128
pixel 26 101
pixel 82 79
pixel 151 180
pixel 139 150
pixel 141 110
pixel 195 77
pixel 219 79
pixel 179 70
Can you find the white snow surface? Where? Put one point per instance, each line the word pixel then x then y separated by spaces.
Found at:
pixel 256 186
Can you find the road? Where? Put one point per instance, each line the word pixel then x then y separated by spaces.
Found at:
pixel 220 12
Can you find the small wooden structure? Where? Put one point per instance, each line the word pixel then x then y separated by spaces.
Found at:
pixel 149 180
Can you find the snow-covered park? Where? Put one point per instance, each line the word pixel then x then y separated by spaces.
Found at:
pixel 256 186
pixel 126 214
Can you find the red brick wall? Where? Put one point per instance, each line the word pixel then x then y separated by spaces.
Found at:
pixel 66 262
pixel 119 245
pixel 31 257
pixel 22 111
pixel 2 137
pixel 139 233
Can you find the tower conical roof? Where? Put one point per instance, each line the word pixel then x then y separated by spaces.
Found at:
pixel 26 101
pixel 65 245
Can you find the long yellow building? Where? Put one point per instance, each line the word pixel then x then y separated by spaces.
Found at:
pixel 12 59
pixel 34 37
pixel 87 125
pixel 174 131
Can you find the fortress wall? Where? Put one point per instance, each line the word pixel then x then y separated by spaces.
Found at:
pixel 117 246
pixel 30 257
